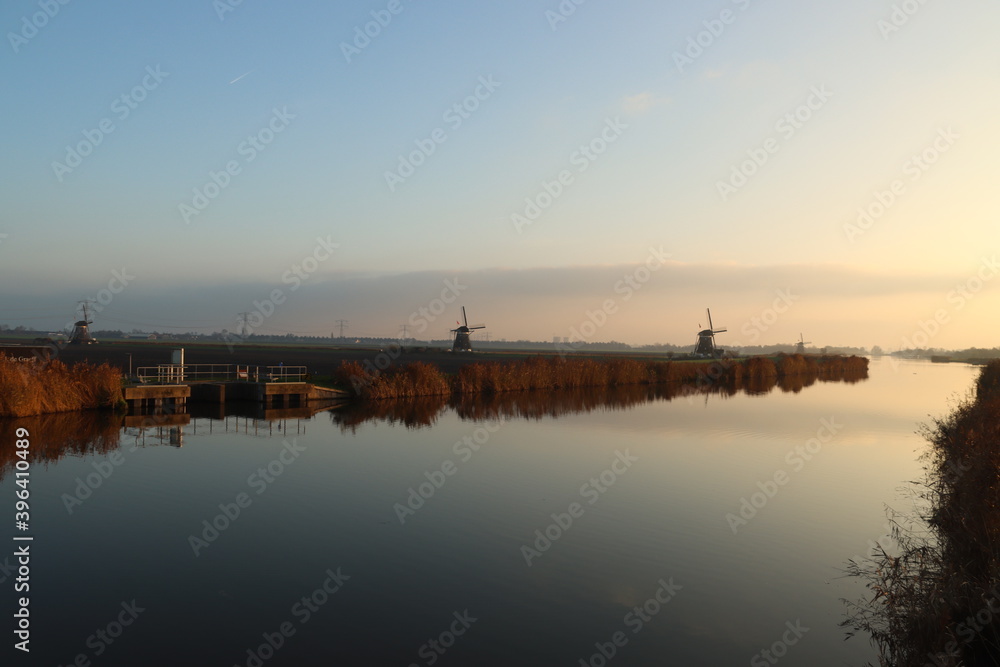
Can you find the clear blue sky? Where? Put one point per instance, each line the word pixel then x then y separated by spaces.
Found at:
pixel 199 83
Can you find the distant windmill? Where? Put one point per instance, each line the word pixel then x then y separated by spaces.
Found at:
pixel 706 339
pixel 800 347
pixel 81 331
pixel 462 333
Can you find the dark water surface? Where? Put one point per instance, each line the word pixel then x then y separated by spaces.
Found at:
pixel 541 541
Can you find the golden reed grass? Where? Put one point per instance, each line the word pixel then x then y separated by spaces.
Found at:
pixel 550 373
pixel 935 597
pixel 34 388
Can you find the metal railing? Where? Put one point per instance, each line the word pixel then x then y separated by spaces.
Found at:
pixel 181 373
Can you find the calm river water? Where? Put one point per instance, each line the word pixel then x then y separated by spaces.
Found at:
pixel 612 536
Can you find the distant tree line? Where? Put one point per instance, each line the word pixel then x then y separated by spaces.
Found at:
pixel 229 337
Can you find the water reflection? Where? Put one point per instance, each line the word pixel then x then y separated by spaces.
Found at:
pixel 337 505
pixel 58 435
pixel 97 432
pixel 424 411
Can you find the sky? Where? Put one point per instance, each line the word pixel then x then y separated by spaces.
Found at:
pixel 599 171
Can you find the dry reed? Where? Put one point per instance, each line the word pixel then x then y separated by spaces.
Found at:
pixel 551 373
pixel 35 389
pixel 925 592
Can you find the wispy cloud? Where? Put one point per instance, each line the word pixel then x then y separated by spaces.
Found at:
pixel 641 103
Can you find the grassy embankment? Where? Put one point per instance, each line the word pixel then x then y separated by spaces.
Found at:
pixel 35 389
pixel 548 373
pixel 935 596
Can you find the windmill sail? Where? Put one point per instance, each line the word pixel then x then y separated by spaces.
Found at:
pixel 463 342
pixel 706 338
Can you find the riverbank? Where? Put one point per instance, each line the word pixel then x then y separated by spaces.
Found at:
pixel 936 591
pixel 548 373
pixel 29 388
pixel 373 374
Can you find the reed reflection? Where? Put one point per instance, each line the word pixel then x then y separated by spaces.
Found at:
pixel 95 432
pixel 424 411
pixel 100 432
pixel 54 436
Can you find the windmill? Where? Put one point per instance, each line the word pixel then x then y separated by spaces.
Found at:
pixel 462 342
pixel 800 347
pixel 706 339
pixel 81 332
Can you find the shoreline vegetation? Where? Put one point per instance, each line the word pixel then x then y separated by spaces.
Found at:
pixel 935 591
pixel 33 389
pixel 99 432
pixel 28 389
pixel 417 379
pixel 421 411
